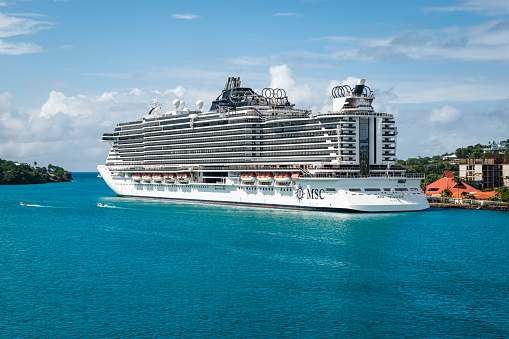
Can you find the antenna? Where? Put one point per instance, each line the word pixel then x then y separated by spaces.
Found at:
pixel 176 103
pixel 155 106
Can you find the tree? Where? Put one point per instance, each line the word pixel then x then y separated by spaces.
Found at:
pixel 446 193
pixel 503 193
pixel 430 178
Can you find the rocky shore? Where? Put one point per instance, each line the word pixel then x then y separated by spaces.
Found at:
pixel 491 207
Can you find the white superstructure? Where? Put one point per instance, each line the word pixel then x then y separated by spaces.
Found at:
pixel 259 150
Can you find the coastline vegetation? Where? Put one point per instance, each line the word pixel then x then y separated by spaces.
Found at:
pixel 13 173
pixel 434 167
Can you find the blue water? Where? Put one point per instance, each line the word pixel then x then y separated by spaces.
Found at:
pixel 156 269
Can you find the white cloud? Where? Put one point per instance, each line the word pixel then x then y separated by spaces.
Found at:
pixel 178 91
pixel 54 104
pixel 18 48
pixel 20 24
pixel 185 16
pixel 303 95
pixel 444 114
pixel 288 14
pixel 490 7
pixel 14 25
pixel 66 130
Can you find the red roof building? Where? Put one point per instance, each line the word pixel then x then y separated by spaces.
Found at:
pixel 436 188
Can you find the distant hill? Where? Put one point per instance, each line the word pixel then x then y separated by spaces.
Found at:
pixel 13 173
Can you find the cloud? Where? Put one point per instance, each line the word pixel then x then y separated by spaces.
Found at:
pixel 19 48
pixel 317 97
pixel 444 114
pixel 483 42
pixel 185 16
pixel 66 130
pixel 20 24
pixel 489 7
pixel 288 14
pixel 383 53
pixel 14 25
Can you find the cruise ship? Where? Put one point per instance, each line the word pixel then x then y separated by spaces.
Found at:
pixel 257 149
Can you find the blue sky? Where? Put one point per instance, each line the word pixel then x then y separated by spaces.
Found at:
pixel 70 70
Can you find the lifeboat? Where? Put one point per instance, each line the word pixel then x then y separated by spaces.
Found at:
pixel 170 177
pixel 296 175
pixel 282 178
pixel 147 177
pixel 265 177
pixel 248 177
pixel 136 177
pixel 157 177
pixel 184 177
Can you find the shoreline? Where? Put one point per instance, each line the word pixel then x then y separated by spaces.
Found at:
pixel 490 207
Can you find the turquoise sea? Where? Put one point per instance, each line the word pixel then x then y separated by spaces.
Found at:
pixel 158 269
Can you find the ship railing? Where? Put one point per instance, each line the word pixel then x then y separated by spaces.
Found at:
pixel 357 175
pixel 356 113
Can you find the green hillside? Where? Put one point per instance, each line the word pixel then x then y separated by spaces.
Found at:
pixel 13 173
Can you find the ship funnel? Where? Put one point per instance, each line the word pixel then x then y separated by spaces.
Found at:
pixel 359 87
pixel 233 83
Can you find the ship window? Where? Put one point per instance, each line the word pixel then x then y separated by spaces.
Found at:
pixel 372 189
pixel 387 189
pixel 401 189
pixel 433 189
pixel 330 190
pixel 354 189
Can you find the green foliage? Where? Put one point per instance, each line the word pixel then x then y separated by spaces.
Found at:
pixel 430 178
pixel 434 167
pixel 466 195
pixel 502 193
pixel 12 173
pixel 446 193
pixel 427 165
pixel 469 151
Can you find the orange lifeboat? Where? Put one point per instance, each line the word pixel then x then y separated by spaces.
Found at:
pixel 248 177
pixel 136 177
pixel 265 177
pixel 170 177
pixel 296 175
pixel 282 178
pixel 184 177
pixel 157 177
pixel 147 177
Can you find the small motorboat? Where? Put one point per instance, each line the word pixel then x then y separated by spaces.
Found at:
pixel 23 204
pixel 100 204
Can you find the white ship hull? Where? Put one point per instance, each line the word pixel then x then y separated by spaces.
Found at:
pixel 371 194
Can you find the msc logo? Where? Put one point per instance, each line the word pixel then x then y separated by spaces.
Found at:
pixel 313 193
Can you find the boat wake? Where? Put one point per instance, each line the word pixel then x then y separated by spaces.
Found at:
pixel 100 204
pixel 31 205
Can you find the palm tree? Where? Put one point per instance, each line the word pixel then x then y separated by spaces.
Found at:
pixel 446 193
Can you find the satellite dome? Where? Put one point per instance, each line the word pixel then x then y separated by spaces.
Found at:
pixel 176 103
pixel 199 104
